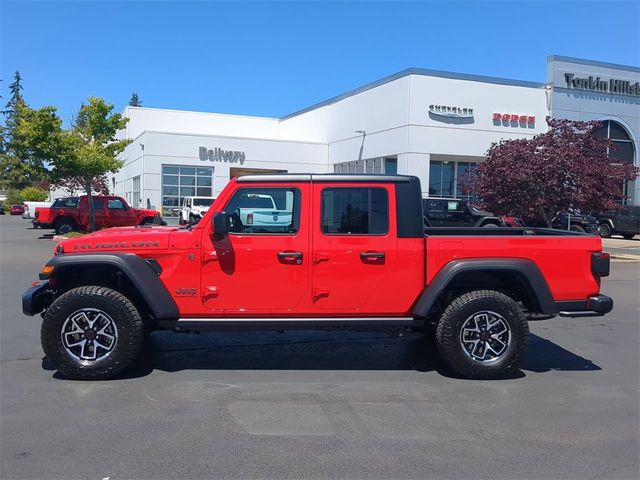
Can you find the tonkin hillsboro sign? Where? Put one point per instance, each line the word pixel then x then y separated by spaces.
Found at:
pixel 597 84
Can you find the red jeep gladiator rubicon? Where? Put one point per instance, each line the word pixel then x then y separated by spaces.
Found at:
pixel 353 255
pixel 72 214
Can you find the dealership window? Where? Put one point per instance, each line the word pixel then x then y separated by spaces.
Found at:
pixel 355 211
pixel 388 165
pixel 136 200
pixel 452 179
pixel 623 151
pixel 179 182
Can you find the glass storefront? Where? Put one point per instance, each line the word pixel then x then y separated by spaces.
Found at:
pixel 622 151
pixel 388 165
pixel 451 179
pixel 179 182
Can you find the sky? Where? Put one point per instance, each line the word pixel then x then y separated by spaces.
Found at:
pixel 267 58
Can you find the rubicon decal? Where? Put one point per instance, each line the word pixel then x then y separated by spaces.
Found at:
pixel 97 246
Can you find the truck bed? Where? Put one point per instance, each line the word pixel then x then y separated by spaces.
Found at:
pixel 563 257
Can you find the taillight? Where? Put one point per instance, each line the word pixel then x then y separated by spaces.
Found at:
pixel 600 263
pixel 249 218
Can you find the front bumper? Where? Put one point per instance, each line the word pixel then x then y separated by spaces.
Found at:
pixel 595 306
pixel 37 298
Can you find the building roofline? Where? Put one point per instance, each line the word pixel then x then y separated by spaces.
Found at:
pixel 594 63
pixel 191 112
pixel 417 71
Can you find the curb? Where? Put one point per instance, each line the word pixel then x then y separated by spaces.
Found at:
pixel 625 257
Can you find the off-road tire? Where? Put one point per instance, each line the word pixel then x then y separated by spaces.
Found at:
pixel 604 230
pixel 448 334
pixel 577 228
pixel 65 225
pixel 490 225
pixel 130 332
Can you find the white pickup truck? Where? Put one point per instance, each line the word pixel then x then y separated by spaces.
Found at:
pixel 194 208
pixel 259 210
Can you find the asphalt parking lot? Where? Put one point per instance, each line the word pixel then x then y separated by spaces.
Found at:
pixel 320 405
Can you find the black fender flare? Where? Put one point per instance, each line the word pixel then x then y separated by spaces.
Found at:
pixel 608 221
pixel 139 272
pixel 526 270
pixel 484 220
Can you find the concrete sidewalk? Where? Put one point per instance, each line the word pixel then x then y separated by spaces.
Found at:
pixel 621 249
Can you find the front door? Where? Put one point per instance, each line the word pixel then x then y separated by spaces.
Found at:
pixel 119 214
pixel 262 267
pixel 354 247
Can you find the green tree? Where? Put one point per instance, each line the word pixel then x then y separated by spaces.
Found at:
pixel 20 166
pixel 33 194
pixel 135 101
pixel 13 197
pixel 89 151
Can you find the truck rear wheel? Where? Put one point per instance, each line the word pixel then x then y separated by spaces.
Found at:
pixel 91 333
pixel 482 334
pixel 65 225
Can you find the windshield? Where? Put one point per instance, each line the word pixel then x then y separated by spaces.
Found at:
pixel 202 202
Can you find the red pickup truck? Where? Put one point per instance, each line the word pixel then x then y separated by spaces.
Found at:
pixel 354 256
pixel 72 214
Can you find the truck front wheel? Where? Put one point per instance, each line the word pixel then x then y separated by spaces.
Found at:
pixel 482 334
pixel 91 333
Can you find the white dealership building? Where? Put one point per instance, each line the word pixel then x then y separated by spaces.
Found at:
pixel 432 124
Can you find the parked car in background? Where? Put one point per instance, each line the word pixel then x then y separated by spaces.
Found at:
pixel 625 222
pixel 194 208
pixel 253 211
pixel 30 208
pixel 576 223
pixel 452 212
pixel 16 210
pixel 72 214
pixel 512 221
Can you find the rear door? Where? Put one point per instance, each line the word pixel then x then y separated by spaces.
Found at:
pixel 354 246
pixel 99 214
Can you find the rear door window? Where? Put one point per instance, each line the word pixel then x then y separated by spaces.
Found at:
pixel 355 211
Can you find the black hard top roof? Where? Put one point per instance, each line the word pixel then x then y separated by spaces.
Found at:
pixel 325 177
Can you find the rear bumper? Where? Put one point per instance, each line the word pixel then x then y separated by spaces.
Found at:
pixel 595 306
pixel 36 298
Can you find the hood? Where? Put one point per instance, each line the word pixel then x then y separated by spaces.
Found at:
pixel 123 239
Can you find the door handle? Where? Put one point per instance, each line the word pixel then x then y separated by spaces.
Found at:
pixel 290 256
pixel 372 255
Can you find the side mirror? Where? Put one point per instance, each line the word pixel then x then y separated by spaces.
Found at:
pixel 219 228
